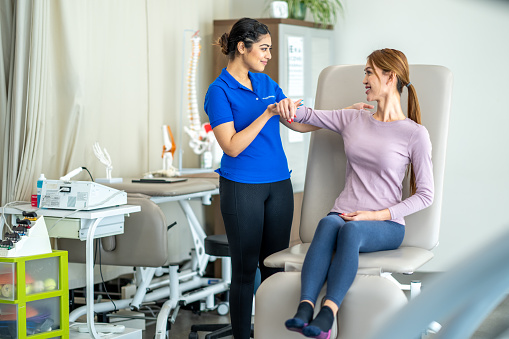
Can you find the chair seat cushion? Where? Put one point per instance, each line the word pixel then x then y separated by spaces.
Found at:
pixel 401 260
pixel 217 245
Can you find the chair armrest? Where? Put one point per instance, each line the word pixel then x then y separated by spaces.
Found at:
pixel 294 254
pixel 401 260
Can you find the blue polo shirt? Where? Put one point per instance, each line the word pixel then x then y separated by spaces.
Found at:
pixel 264 160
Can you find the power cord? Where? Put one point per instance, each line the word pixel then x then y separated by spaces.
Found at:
pixel 86 169
pixel 3 212
pixel 102 278
pixel 42 203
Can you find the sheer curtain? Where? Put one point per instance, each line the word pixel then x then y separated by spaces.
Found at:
pixel 82 71
pixel 78 74
pixel 6 27
pixel 15 29
pixel 36 98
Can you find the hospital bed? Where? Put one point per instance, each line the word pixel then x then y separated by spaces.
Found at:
pixel 144 245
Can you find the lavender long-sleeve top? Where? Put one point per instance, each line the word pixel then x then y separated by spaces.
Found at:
pixel 378 154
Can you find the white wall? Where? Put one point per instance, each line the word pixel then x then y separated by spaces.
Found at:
pixel 171 26
pixel 469 37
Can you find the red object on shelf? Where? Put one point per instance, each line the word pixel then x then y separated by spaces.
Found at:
pixel 9 312
pixel 33 201
pixel 7 278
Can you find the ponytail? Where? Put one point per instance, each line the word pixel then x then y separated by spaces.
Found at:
pixel 414 113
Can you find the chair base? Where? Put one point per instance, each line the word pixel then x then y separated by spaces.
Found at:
pixel 369 302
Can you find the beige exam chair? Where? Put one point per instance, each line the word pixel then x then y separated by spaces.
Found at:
pixel 144 245
pixel 375 294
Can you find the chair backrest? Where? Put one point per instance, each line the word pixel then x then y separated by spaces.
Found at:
pixel 341 86
pixel 144 241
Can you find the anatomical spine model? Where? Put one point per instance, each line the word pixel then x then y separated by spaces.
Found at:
pixel 202 139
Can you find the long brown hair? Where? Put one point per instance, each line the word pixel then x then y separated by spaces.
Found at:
pixel 392 60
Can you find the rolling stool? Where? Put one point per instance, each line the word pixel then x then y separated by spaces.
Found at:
pixel 217 245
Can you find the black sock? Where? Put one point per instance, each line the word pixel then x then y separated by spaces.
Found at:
pixel 324 319
pixel 304 312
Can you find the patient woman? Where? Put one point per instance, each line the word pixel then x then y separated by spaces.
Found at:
pixel 368 214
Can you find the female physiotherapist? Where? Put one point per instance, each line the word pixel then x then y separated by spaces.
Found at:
pixel 255 189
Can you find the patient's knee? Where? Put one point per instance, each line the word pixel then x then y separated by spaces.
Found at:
pixel 350 233
pixel 329 225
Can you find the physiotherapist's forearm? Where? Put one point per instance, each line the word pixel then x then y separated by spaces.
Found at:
pixel 233 143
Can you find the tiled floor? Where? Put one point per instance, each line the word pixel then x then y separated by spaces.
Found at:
pixel 494 326
pixel 180 329
pixel 182 326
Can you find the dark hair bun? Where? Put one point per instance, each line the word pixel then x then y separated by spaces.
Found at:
pixel 223 43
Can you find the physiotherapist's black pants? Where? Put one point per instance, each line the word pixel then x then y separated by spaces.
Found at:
pixel 258 219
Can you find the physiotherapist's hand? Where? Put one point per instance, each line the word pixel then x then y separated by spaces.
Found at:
pixel 272 109
pixel 360 105
pixel 367 215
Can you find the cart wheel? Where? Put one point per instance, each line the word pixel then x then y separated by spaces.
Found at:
pixel 223 308
pixel 193 335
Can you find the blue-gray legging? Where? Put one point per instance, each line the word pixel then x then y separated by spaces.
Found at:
pixel 347 239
